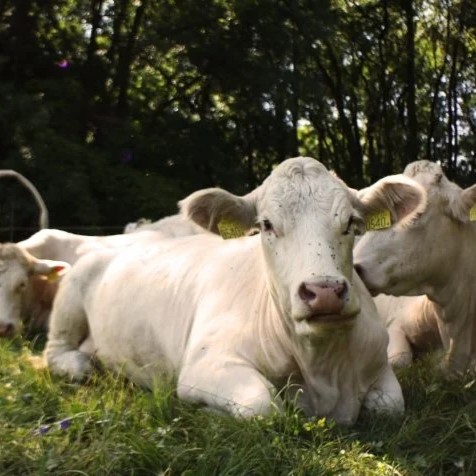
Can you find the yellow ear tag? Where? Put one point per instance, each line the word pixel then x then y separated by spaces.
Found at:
pixel 472 213
pixel 54 274
pixel 52 277
pixel 378 221
pixel 230 229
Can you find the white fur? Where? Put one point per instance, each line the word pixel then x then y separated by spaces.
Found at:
pixel 225 317
pixel 32 305
pixel 172 226
pixel 433 255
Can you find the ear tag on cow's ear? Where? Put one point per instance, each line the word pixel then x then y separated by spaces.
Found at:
pixel 54 274
pixel 472 213
pixel 378 221
pixel 230 229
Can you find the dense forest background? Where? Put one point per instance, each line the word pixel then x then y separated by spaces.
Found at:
pixel 116 109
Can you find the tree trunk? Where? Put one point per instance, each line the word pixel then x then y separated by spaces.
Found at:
pixel 412 125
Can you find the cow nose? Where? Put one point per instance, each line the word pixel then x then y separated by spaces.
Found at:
pixel 324 298
pixel 6 329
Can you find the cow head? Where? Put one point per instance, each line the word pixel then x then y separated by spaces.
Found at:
pixel 417 256
pixel 17 270
pixel 308 219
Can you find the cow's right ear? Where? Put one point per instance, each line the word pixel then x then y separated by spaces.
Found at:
pixel 210 206
pixel 393 199
pixel 49 269
pixel 462 205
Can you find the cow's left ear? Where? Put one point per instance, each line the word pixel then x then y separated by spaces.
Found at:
pixel 49 269
pixel 463 205
pixel 393 199
pixel 210 206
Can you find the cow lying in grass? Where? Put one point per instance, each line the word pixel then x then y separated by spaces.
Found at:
pixel 172 226
pixel 27 288
pixel 235 319
pixel 431 254
pixel 36 260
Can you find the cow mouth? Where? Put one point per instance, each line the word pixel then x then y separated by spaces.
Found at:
pixel 330 318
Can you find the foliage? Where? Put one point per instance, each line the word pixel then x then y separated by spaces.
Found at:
pixel 110 426
pixel 215 92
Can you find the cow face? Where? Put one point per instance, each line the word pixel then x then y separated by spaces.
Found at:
pixel 308 219
pixel 17 270
pixel 411 258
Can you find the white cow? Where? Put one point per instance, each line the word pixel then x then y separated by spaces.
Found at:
pixel 173 226
pixel 27 287
pixel 29 305
pixel 235 319
pixel 431 254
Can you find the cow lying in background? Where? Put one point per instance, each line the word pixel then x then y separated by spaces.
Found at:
pixel 27 288
pixel 31 303
pixel 172 226
pixel 235 319
pixel 434 255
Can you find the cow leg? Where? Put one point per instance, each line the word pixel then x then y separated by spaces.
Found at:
pixel 68 330
pixel 399 350
pixel 236 389
pixel 385 395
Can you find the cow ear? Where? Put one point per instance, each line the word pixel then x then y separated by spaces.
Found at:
pixel 210 206
pixel 49 269
pixel 393 199
pixel 463 206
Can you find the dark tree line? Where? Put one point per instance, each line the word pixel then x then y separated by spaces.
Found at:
pixel 116 109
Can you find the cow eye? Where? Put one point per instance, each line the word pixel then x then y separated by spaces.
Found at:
pixel 266 225
pixel 350 226
pixel 20 287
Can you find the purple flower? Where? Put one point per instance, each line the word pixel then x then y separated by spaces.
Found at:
pixel 65 423
pixel 42 430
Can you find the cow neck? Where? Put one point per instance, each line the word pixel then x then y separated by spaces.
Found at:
pixel 272 328
pixel 329 382
pixel 447 290
pixel 454 303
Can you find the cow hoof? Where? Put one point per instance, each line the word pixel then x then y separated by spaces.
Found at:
pixel 73 364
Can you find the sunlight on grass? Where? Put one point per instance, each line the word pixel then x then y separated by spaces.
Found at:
pixel 110 426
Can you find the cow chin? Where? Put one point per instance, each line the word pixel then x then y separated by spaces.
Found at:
pixel 318 323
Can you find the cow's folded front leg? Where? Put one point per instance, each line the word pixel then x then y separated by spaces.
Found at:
pixel 385 395
pixel 399 350
pixel 239 390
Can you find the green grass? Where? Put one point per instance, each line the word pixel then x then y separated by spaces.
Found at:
pixel 108 426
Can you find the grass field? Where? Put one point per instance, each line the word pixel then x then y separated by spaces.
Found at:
pixel 108 426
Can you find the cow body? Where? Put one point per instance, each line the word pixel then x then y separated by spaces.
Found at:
pixel 233 320
pixel 30 306
pixel 412 325
pixel 429 256
pixel 171 226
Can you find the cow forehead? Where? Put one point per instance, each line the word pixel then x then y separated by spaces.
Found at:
pixel 422 167
pixel 431 176
pixel 12 270
pixel 302 187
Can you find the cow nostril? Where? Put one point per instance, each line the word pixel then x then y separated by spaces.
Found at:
pixel 341 290
pixel 305 293
pixel 7 330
